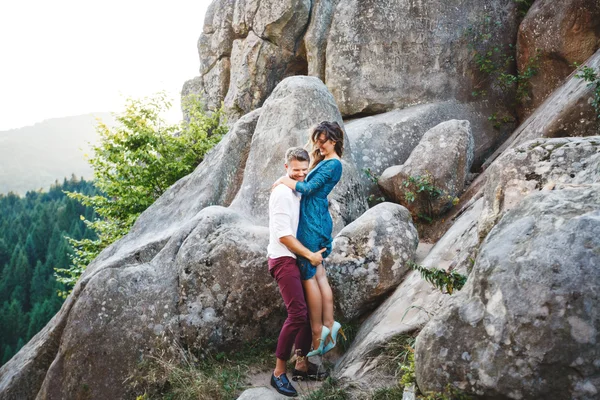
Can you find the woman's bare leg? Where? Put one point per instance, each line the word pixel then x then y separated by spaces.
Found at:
pixel 315 309
pixel 326 297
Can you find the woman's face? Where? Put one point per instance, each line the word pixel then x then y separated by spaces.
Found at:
pixel 326 146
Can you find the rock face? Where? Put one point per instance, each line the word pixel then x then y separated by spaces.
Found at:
pixel 384 140
pixel 413 303
pixel 249 83
pixel 525 325
pixel 305 101
pixel 560 34
pixel 246 48
pixel 391 54
pixel 567 112
pixel 531 167
pixel 315 39
pixel 443 157
pixel 370 258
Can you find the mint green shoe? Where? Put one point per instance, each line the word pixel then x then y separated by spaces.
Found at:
pixel 324 336
pixel 335 329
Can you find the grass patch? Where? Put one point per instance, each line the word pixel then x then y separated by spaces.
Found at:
pixel 330 390
pixel 393 393
pixel 178 374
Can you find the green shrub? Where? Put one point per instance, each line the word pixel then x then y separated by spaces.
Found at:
pixel 134 163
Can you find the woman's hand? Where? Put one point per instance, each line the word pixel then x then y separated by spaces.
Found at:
pixel 285 180
pixel 278 182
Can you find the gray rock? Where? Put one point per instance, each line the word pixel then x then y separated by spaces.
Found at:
pixel 384 140
pixel 413 303
pixel 294 107
pixel 370 258
pixel 207 287
pixel 257 66
pixel 525 326
pixel 217 36
pixel 247 47
pixel 261 393
pixel 383 54
pixel 282 22
pixel 559 33
pixel 444 155
pixel 315 38
pixel 566 112
pixel 533 165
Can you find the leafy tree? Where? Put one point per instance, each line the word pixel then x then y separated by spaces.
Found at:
pixel 134 164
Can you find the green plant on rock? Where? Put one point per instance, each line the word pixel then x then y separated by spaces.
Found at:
pixel 422 188
pixel 591 76
pixel 495 63
pixel 523 6
pixel 445 281
pixel 134 163
pixel 373 200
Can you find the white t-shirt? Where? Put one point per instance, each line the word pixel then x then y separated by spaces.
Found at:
pixel 284 212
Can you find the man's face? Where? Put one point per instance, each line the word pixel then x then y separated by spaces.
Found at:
pixel 297 170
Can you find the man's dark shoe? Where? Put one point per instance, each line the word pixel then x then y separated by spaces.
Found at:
pixel 314 373
pixel 283 385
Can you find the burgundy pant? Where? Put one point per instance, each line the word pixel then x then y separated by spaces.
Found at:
pixel 296 329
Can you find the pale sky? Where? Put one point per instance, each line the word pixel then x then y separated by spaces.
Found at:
pixel 68 57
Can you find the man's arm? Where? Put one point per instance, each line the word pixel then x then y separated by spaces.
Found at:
pixel 298 248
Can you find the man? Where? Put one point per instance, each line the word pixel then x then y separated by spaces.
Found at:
pixel 284 212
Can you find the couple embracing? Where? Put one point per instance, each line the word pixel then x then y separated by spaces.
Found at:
pixel 300 237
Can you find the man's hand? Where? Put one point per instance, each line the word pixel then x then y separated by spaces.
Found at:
pixel 316 258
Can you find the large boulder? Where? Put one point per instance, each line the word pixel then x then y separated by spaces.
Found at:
pixel 525 326
pixel 257 67
pixel 384 54
pixel 552 37
pixel 412 304
pixel 443 158
pixel 532 166
pixel 246 48
pixel 568 111
pixel 370 257
pixel 387 139
pixel 295 106
pixel 208 287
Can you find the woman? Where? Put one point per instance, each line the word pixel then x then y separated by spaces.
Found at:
pixel 315 227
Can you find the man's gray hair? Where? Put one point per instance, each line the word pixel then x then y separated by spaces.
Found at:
pixel 296 153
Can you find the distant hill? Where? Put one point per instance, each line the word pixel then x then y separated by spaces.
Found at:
pixel 33 157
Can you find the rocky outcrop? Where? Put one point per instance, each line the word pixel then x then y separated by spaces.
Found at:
pixel 413 303
pixel 246 48
pixel 567 112
pixel 315 38
pixel 534 165
pixel 370 257
pixel 304 101
pixel 442 160
pixel 384 140
pixel 383 55
pixel 553 36
pixel 189 272
pixel 524 326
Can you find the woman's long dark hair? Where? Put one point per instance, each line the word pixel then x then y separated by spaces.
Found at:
pixel 333 131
